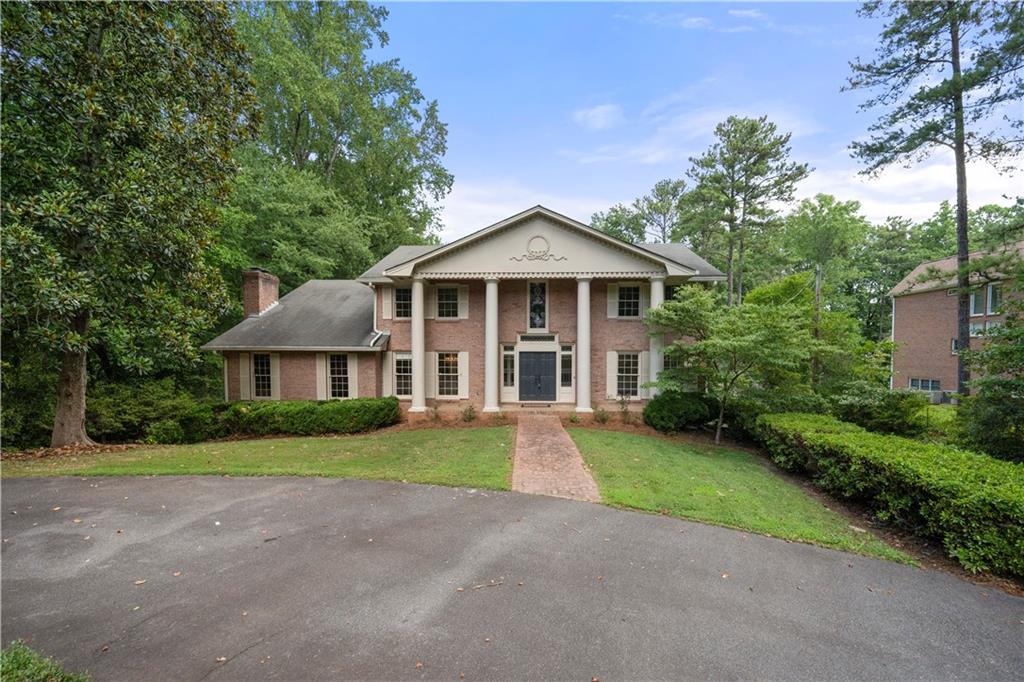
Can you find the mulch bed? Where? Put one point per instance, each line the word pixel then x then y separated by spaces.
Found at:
pixel 67 451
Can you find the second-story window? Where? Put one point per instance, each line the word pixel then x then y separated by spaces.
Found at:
pixel 629 301
pixel 538 299
pixel 995 299
pixel 447 302
pixel 403 303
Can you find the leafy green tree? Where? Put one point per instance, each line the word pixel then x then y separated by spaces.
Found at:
pixel 620 221
pixel 741 177
pixel 363 126
pixel 659 210
pixel 119 124
pixel 942 72
pixel 289 221
pixel 820 233
pixel 993 420
pixel 728 347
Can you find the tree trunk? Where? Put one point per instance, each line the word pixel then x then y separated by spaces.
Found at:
pixel 728 274
pixel 69 420
pixel 963 325
pixel 815 360
pixel 721 418
pixel 739 271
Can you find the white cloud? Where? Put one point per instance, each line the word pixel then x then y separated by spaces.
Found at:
pixel 676 133
pixel 913 192
pixel 600 117
pixel 746 13
pixel 475 205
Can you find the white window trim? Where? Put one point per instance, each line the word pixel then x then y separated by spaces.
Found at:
pixel 394 374
pixel 351 371
pixel 988 303
pixel 547 307
pixel 461 302
pixel 275 377
pixel 639 304
pixel 459 370
pixel 974 295
pixel 977 329
pixel 394 299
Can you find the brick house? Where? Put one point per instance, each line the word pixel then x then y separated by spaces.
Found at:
pixel 924 320
pixel 535 310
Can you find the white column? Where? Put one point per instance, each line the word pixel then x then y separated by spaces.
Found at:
pixel 657 341
pixel 419 369
pixel 583 377
pixel 491 355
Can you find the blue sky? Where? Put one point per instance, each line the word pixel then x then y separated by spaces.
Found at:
pixel 578 106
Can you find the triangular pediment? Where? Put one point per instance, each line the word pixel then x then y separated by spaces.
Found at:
pixel 538 243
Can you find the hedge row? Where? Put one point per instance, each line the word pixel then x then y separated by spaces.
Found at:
pixel 307 417
pixel 973 503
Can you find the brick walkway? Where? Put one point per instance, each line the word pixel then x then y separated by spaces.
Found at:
pixel 547 461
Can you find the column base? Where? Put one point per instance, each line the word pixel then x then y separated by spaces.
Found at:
pixel 417 409
pixel 584 410
pixel 492 409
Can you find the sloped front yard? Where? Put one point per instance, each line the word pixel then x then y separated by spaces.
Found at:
pixel 716 485
pixel 471 457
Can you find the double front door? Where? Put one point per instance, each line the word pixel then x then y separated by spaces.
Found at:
pixel 537 376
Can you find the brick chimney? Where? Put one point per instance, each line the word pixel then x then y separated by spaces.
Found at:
pixel 259 291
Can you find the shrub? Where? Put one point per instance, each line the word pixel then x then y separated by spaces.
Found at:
pixel 742 412
pixel 574 418
pixel 883 411
pixel 673 411
pixel 165 432
pixel 469 414
pixel 124 412
pixel 992 422
pixel 21 664
pixel 971 502
pixel 601 415
pixel 308 417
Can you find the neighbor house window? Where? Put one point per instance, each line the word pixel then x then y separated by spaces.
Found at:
pixel 261 375
pixel 995 299
pixel 508 366
pixel 954 346
pixel 538 300
pixel 448 302
pixel 403 303
pixel 338 375
pixel 977 303
pixel 448 374
pixel 628 374
pixel 629 301
pixel 566 366
pixel 670 291
pixel 977 328
pixel 403 375
pixel 925 385
pixel 668 362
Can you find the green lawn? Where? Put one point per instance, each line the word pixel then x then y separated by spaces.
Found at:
pixel 471 457
pixel 715 485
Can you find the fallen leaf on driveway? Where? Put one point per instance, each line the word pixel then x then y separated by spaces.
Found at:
pixel 105 648
pixel 140 582
pixel 55 509
pixel 120 530
pixel 176 574
pixel 76 520
pixel 419 664
pixel 725 575
pixel 221 659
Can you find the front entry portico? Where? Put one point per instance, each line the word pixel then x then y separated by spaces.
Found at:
pixel 537 376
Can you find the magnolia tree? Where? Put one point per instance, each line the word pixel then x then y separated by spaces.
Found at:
pixel 119 124
pixel 729 347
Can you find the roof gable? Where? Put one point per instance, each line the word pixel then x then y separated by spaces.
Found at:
pixel 919 279
pixel 537 242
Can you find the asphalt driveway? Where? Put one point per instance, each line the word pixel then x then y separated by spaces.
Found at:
pixel 301 579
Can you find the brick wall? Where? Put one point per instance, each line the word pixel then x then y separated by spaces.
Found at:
pixel 298 375
pixel 468 335
pixel 924 325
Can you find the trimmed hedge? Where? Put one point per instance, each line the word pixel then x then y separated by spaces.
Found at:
pixel 308 417
pixel 973 503
pixel 674 411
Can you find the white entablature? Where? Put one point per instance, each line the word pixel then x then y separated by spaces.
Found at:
pixel 539 242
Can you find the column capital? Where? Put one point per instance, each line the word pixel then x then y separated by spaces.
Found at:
pixel 585 278
pixel 657 278
pixel 492 279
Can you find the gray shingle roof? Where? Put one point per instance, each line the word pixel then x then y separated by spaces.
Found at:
pixel 322 314
pixel 684 256
pixel 396 257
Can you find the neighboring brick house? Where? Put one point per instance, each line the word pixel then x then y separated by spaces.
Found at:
pixel 924 321
pixel 535 310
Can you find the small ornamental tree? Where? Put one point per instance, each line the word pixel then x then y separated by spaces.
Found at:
pixel 119 122
pixel 729 347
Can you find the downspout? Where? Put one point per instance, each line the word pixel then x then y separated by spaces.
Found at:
pixel 892 339
pixel 377 333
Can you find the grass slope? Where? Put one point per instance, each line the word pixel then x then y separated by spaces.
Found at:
pixel 472 457
pixel 715 485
